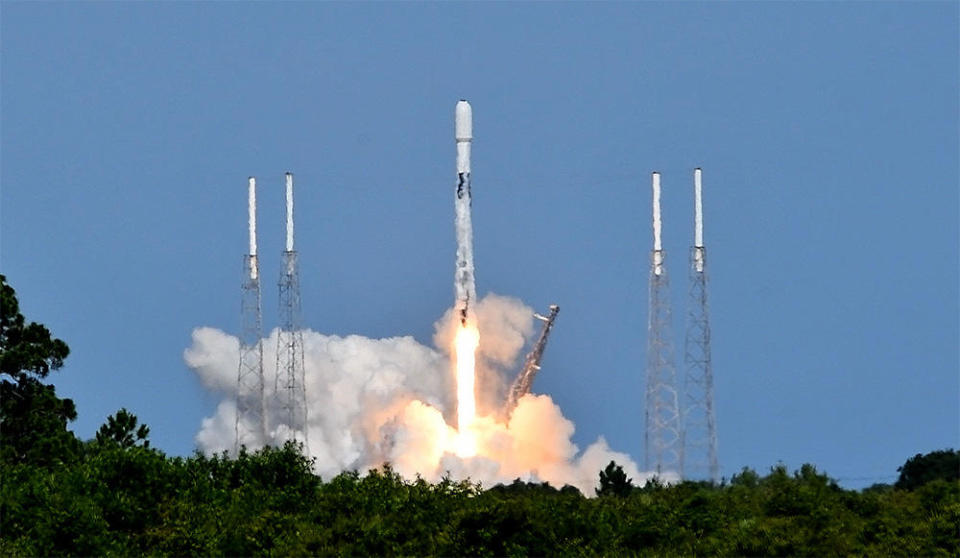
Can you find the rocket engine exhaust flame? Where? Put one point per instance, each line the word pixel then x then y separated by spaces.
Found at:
pixel 465 352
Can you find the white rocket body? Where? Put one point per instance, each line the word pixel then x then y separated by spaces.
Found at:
pixel 698 210
pixel 252 224
pixel 697 222
pixel 464 286
pixel 657 245
pixel 289 177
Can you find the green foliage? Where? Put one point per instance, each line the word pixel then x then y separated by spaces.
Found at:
pixel 121 429
pixel 614 482
pixel 33 420
pixel 921 469
pixel 25 348
pixel 134 500
pixel 116 496
pixel 33 424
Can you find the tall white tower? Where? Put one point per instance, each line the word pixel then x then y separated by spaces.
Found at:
pixel 291 376
pixel 250 428
pixel 663 448
pixel 700 425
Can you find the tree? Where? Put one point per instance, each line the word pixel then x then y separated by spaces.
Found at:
pixel 921 469
pixel 33 420
pixel 25 349
pixel 121 429
pixel 614 482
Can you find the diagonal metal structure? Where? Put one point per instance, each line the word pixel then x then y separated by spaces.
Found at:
pixel 699 418
pixel 663 447
pixel 249 427
pixel 290 385
pixel 524 381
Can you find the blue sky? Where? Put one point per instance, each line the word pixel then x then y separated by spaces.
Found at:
pixel 828 135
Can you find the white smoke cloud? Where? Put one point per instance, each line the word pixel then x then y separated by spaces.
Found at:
pixel 371 401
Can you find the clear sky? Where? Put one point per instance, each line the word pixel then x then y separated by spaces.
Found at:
pixel 828 135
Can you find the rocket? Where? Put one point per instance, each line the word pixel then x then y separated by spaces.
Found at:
pixel 464 285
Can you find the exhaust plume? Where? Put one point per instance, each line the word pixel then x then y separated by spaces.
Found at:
pixel 393 400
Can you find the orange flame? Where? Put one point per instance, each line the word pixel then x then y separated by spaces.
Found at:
pixel 466 343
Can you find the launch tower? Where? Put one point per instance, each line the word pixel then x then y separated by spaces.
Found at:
pixel 700 429
pixel 663 448
pixel 249 427
pixel 290 383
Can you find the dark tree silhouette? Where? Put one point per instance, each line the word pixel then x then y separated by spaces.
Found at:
pixel 121 429
pixel 33 420
pixel 921 469
pixel 614 482
pixel 26 349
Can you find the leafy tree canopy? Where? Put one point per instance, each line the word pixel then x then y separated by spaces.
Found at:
pixel 921 469
pixel 121 429
pixel 33 420
pixel 614 482
pixel 25 348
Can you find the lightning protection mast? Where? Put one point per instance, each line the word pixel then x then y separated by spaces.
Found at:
pixel 662 434
pixel 700 425
pixel 290 385
pixel 250 428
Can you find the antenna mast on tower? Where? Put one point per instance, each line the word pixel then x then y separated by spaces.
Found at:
pixel 700 428
pixel 249 427
pixel 662 436
pixel 290 381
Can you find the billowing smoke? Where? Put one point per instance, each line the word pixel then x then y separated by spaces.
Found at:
pixel 371 401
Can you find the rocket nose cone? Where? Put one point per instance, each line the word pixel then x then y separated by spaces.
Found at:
pixel 464 121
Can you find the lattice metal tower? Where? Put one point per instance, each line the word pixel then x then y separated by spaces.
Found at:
pixel 290 387
pixel 664 451
pixel 250 428
pixel 524 381
pixel 699 428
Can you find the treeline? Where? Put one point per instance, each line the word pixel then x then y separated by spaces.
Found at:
pixel 134 500
pixel 115 495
